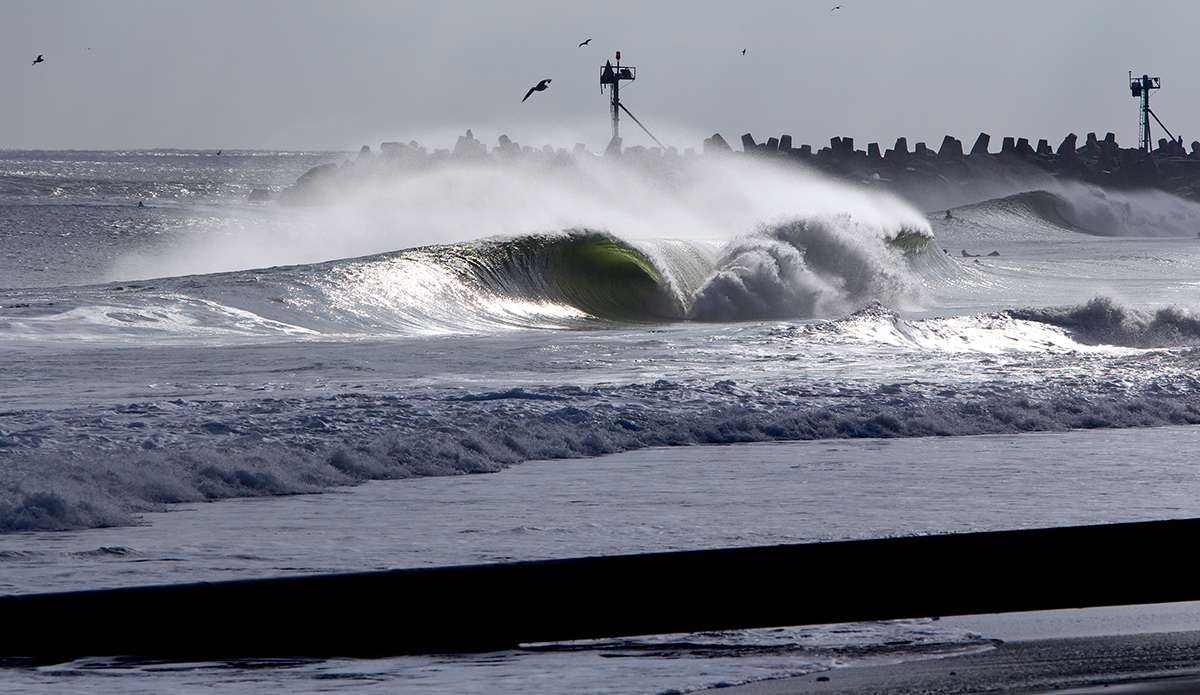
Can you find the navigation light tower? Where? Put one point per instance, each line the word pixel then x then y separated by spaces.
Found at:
pixel 1141 87
pixel 612 76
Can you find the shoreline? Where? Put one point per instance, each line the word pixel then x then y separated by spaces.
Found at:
pixel 1160 663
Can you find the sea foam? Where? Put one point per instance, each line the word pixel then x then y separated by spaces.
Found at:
pixel 94 466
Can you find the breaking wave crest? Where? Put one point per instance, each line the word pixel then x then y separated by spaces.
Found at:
pixel 593 272
pixel 806 268
pixel 348 439
pixel 1103 321
pixel 571 279
pixel 821 266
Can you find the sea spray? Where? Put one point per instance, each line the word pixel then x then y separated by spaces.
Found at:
pixel 1135 213
pixel 820 266
pixel 692 199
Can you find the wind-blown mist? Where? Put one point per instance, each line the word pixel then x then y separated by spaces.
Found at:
pixel 554 241
pixel 705 198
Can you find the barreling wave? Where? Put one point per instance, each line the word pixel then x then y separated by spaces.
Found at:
pixel 820 266
pixel 593 272
pixel 572 279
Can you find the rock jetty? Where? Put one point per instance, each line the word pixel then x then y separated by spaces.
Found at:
pixel 927 176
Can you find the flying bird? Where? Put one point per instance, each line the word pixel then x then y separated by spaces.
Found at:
pixel 836 8
pixel 539 87
pixel 39 60
pixel 743 51
pixel 585 43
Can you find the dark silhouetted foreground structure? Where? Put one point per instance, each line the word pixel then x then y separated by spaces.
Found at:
pixel 492 607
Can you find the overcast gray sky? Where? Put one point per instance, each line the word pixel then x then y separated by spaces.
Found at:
pixel 265 74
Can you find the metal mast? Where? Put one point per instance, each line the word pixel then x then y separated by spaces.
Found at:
pixel 616 100
pixel 1140 87
pixel 612 75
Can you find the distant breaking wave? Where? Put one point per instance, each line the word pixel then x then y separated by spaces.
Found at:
pixel 1086 209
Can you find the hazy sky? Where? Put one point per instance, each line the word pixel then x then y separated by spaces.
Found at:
pixel 336 75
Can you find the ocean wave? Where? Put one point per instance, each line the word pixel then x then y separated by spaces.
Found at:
pixel 1104 321
pixel 793 269
pixel 101 466
pixel 47 490
pixel 571 279
pixel 809 268
pixel 594 272
pixel 1144 213
pixel 1085 209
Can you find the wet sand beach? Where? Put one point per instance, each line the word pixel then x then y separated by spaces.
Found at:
pixel 1151 664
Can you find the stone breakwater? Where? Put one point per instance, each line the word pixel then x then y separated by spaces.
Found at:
pixel 1170 167
pixel 932 179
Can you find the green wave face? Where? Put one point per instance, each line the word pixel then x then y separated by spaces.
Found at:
pixel 909 241
pixel 612 280
pixel 591 271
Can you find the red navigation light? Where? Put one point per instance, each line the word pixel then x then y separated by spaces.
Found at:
pixel 618 55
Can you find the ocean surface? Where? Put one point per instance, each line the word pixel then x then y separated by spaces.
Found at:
pixel 487 361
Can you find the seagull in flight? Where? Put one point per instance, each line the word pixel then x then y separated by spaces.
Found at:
pixel 585 43
pixel 836 8
pixel 39 59
pixel 539 87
